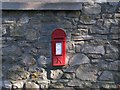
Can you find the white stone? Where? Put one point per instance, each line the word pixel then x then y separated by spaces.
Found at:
pixel 44 86
pixel 18 84
pixel 9 20
pixel 31 85
pixel 44 74
pixel 100 1
pixel 56 74
pixel 43 61
pixel 95 60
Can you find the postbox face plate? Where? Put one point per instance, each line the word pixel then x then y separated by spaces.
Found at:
pixel 58 48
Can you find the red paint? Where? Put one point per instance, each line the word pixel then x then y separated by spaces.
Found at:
pixel 59 37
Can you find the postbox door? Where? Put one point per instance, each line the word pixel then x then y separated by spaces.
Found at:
pixel 58 47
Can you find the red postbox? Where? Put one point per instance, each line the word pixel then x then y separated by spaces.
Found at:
pixel 58 47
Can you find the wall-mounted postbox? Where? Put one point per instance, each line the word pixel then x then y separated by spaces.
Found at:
pixel 58 47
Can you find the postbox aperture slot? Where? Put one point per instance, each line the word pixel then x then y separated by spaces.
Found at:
pixel 58 38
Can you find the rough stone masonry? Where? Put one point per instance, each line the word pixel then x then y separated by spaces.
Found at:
pixel 93 48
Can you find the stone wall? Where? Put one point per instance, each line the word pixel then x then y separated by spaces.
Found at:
pixel 93 51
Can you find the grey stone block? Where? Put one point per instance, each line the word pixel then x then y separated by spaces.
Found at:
pixel 71 69
pixel 104 16
pixel 86 72
pixel 114 37
pixel 113 56
pixel 28 60
pixel 31 35
pixel 70 46
pixel 87 20
pixel 114 65
pixel 7 84
pixel 92 9
pixel 69 88
pixel 12 50
pixel 103 65
pixel 108 22
pixel 82 37
pixel 75 82
pixel 100 36
pixel 57 86
pixel 23 19
pixel 4 29
pixel 69 75
pixel 78 48
pixel 83 31
pixel 16 30
pixel 97 30
pixel 79 59
pixel 94 56
pixel 106 76
pixel 17 75
pixel 108 85
pixel 94 49
pixel 16 68
pixel 115 30
pixel 108 8
pixel 111 49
